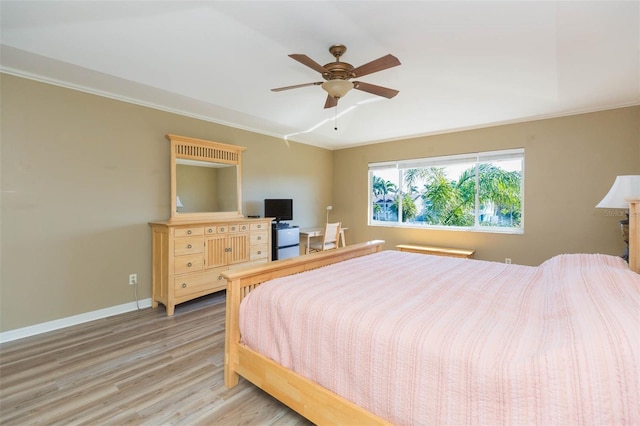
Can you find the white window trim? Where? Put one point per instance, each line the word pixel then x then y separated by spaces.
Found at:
pixel 477 157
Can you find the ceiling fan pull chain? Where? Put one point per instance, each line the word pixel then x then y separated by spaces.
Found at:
pixel 335 120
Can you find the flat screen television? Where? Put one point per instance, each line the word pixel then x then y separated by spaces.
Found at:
pixel 280 208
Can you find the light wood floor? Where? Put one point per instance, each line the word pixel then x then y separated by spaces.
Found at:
pixel 136 368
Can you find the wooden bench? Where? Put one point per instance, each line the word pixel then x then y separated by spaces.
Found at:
pixel 438 251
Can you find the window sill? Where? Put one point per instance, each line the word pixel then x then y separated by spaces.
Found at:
pixel 483 229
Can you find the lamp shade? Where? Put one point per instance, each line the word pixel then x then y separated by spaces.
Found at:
pixel 623 189
pixel 337 88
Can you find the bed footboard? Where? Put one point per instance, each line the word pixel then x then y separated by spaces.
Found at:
pixel 300 394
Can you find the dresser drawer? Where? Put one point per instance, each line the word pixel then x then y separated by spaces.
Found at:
pixel 259 226
pixel 188 245
pixel 185 264
pixel 259 251
pixel 236 227
pixel 259 237
pixel 188 232
pixel 196 283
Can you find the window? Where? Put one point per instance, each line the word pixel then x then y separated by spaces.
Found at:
pixel 479 192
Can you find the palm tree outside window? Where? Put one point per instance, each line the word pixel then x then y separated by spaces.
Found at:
pixel 480 191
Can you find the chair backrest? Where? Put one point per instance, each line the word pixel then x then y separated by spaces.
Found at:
pixel 332 233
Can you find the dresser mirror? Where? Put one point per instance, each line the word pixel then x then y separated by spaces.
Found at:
pixel 205 179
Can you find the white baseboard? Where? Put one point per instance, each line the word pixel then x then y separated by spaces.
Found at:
pixel 44 327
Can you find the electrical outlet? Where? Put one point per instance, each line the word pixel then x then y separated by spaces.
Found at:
pixel 133 279
pixel 507 261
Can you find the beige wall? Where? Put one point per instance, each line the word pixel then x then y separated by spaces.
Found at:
pixel 570 164
pixel 81 177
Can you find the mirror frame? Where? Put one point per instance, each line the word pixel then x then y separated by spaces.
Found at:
pixel 200 150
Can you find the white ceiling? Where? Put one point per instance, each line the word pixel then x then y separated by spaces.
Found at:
pixel 464 64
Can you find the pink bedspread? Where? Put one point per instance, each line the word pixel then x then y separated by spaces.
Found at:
pixel 426 340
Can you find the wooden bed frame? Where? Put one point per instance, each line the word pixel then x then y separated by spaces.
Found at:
pixel 311 400
pixel 634 235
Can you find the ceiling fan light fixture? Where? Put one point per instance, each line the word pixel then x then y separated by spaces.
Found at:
pixel 337 88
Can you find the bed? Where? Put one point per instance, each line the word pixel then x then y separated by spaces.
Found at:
pixel 433 340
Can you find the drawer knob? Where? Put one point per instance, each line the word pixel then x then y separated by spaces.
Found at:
pixel 189 246
pixel 259 251
pixel 184 285
pixel 259 237
pixel 189 264
pixel 189 232
pixel 219 277
pixel 210 230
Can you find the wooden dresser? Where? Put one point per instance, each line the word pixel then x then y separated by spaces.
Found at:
pixel 188 257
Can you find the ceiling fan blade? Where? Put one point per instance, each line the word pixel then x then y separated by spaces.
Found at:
pixel 330 102
pixel 305 60
pixel 376 65
pixel 376 90
pixel 280 89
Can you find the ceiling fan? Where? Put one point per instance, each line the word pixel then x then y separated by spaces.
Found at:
pixel 339 73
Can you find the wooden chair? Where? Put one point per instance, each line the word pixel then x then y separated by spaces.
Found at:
pixel 330 238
